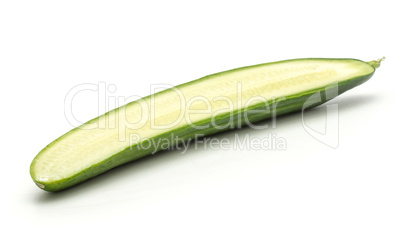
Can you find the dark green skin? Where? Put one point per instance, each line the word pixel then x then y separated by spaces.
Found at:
pixel 289 104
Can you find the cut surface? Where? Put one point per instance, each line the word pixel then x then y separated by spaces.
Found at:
pixel 210 96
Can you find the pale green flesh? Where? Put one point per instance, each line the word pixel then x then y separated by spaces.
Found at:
pixel 103 137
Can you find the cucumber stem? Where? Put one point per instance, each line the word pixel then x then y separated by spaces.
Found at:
pixel 376 63
pixel 40 185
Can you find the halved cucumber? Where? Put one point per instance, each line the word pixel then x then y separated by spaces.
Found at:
pixel 201 107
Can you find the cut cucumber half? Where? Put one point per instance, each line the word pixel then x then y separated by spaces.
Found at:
pixel 201 107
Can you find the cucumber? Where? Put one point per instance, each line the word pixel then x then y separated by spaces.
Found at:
pixel 208 105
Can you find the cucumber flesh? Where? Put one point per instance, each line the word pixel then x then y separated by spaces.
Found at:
pixel 204 106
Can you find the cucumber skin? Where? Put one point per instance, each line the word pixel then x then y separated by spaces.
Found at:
pixel 292 103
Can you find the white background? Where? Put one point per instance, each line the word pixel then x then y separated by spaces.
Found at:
pixel 48 47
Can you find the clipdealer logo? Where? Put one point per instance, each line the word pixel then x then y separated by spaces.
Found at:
pixel 108 100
